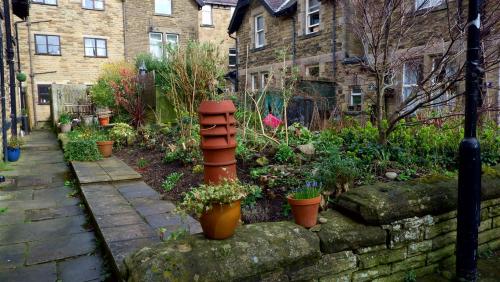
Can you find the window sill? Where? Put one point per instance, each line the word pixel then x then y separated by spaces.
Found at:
pixel 44 54
pixel 43 104
pixel 207 25
pixel 96 57
pixel 90 9
pixel 430 9
pixel 43 4
pixel 310 35
pixel 257 49
pixel 163 15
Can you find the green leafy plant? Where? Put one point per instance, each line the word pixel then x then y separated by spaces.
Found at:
pixel 65 118
pixel 284 154
pixel 3 210
pixel 337 172
pixel 15 142
pixel 410 276
pixel 21 77
pixel 286 210
pixel 171 180
pixel 101 94
pixel 142 163
pixel 257 172
pixel 82 150
pixel 203 197
pixel 122 133
pixel 311 191
pixel 254 193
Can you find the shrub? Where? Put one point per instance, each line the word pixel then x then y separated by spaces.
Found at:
pixel 82 150
pixel 101 94
pixel 15 142
pixel 337 172
pixel 202 198
pixel 65 118
pixel 122 133
pixel 284 154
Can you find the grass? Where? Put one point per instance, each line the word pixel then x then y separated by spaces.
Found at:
pixel 4 166
pixel 308 192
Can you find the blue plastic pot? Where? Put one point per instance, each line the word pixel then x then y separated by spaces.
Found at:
pixel 13 154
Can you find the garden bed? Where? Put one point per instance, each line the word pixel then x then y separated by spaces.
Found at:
pixel 270 207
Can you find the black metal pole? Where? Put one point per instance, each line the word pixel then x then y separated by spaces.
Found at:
pixel 469 178
pixel 10 62
pixel 2 97
pixel 18 55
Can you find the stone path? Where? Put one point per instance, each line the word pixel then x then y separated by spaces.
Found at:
pixel 44 231
pixel 128 213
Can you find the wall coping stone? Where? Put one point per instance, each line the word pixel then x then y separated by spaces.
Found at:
pixel 383 203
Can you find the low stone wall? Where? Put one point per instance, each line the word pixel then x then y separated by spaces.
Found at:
pixel 345 248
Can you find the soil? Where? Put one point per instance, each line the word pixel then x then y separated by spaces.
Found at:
pixel 268 208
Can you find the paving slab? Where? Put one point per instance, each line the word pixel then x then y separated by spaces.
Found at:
pixel 120 219
pixel 51 213
pixel 147 207
pixel 127 232
pixel 37 273
pixel 137 189
pixel 60 247
pixel 82 269
pixel 12 256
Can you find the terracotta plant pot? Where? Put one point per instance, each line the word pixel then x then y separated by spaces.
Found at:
pixel 65 128
pixel 218 140
pixel 103 121
pixel 106 148
pixel 305 212
pixel 220 222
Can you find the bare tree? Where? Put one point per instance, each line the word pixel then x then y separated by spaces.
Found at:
pixel 396 34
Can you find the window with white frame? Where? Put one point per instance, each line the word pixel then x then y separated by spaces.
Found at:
pixel 93 4
pixel 312 16
pixel 254 82
pixel 412 74
pixel 47 45
pixel 206 15
pixel 156 44
pixel 259 31
pixel 356 96
pixel 172 39
pixel 163 7
pixel 442 74
pixel 232 57
pixel 425 4
pixel 95 47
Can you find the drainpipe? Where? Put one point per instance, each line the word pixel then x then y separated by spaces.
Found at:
pixel 2 97
pixel 237 81
pixel 124 9
pixel 294 40
pixel 10 62
pixel 334 43
pixel 22 94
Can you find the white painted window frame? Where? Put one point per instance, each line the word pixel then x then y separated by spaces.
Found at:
pixel 207 15
pixel 426 4
pixel 259 44
pixel 353 94
pixel 308 17
pixel 253 82
pixel 159 10
pixel 160 45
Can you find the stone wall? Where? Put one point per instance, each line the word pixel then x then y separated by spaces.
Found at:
pixel 344 248
pixel 217 32
pixel 141 20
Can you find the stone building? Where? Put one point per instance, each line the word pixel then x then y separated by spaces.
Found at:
pixel 65 42
pixel 319 39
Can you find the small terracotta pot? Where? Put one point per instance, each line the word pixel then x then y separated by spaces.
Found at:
pixel 305 212
pixel 220 222
pixel 106 148
pixel 103 121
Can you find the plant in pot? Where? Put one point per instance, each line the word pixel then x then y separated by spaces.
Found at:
pixel 65 122
pixel 14 149
pixel 217 206
pixel 305 204
pixel 102 96
pixel 104 143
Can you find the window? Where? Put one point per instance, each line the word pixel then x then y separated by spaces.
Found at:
pixel 259 31
pixel 172 39
pixel 264 80
pixel 43 94
pixel 412 74
pixel 95 47
pixel 156 44
pixel 312 71
pixel 425 4
pixel 254 82
pixel 232 57
pixel 47 45
pixel 312 16
pixel 206 15
pixel 442 77
pixel 93 4
pixel 356 96
pixel 163 7
pixel 45 2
